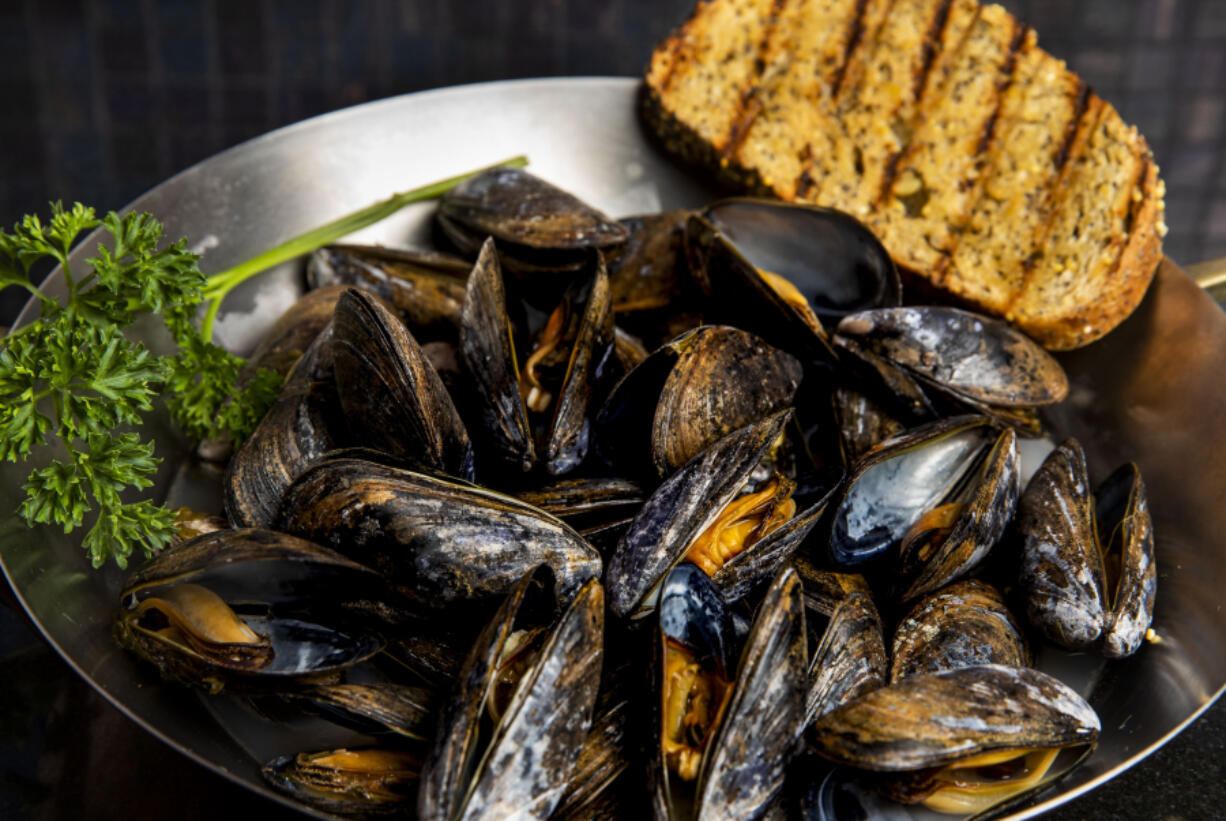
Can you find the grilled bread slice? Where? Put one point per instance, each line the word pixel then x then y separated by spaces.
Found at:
pixel 980 160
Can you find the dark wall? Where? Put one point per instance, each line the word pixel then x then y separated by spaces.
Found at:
pixel 104 99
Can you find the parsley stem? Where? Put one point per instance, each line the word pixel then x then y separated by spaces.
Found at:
pixel 220 284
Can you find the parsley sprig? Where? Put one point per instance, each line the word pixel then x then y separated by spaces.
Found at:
pixel 74 374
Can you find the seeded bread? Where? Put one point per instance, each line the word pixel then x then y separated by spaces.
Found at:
pixel 981 161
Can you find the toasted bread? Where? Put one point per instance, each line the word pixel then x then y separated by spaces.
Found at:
pixel 981 161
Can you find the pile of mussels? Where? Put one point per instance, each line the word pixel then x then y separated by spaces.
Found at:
pixel 542 571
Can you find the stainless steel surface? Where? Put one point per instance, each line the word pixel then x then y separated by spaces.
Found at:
pixel 1151 391
pixel 1210 275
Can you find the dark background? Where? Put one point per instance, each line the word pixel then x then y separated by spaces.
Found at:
pixel 102 100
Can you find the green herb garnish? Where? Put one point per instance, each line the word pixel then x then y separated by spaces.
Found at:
pixel 73 373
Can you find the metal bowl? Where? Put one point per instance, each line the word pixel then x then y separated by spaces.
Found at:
pixel 1152 391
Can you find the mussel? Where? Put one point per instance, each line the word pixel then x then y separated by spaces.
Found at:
pixel 963 740
pixel 715 513
pixel 561 369
pixel 725 728
pixel 363 781
pixel 538 226
pixel 689 393
pixel 391 395
pixel 1088 566
pixel 222 611
pixel 779 269
pixel 440 542
pixel 964 624
pixel 934 500
pixel 509 736
pixel 425 287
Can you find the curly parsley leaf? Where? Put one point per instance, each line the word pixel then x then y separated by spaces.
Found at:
pixel 74 373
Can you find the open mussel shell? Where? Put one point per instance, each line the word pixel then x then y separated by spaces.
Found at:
pixel 830 263
pixel 863 423
pixel 360 781
pixel 582 346
pixel 982 359
pixel 987 505
pixel 751 568
pixel 690 393
pixel 921 726
pixel 438 541
pixel 850 659
pixel 684 506
pixel 219 611
pixel 254 565
pixel 746 752
pixel 515 765
pixel 305 422
pixel 947 470
pixel 425 287
pixel 965 624
pixel 284 652
pixel 1069 542
pixel 392 397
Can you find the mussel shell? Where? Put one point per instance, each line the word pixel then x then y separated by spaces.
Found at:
pixel 680 509
pixel 644 271
pixel 692 613
pixel 996 485
pixel 375 709
pixel 303 653
pixel 863 423
pixel 572 498
pixel 832 258
pixel 1061 573
pixel 305 422
pixel 512 205
pixel 1122 506
pixel 438 541
pixel 900 480
pixel 963 625
pixel 487 349
pixel 392 396
pixel 425 287
pixel 520 768
pixel 933 719
pixel 590 356
pixel 707 394
pixel 981 358
pixel 743 769
pixel 253 565
pixel 850 660
pixel 826 589
pixel 688 394
pixel 341 792
pixel 750 568
pixel 605 756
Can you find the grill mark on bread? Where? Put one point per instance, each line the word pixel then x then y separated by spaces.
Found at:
pixel 751 104
pixel 936 179
pixel 855 34
pixel 918 84
pixel 1020 35
pixel 1083 101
